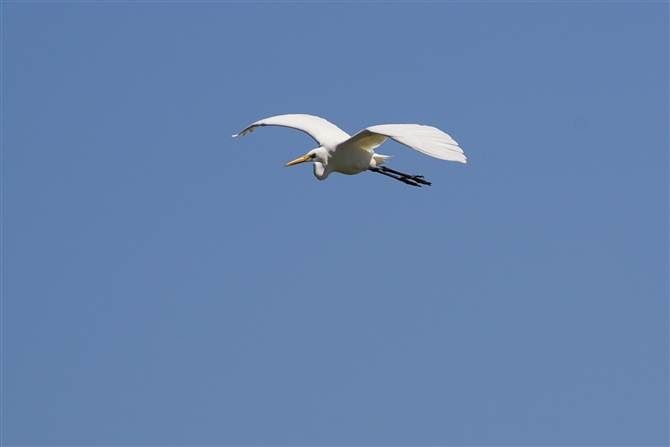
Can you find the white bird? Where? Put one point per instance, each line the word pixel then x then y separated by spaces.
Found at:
pixel 340 152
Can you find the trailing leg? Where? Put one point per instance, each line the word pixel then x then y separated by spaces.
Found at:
pixel 413 180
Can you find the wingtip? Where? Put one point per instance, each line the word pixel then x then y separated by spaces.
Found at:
pixel 236 135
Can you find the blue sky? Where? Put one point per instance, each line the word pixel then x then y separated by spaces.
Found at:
pixel 164 284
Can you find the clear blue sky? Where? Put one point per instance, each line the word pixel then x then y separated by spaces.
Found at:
pixel 165 284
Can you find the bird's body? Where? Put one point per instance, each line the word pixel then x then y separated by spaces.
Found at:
pixel 340 152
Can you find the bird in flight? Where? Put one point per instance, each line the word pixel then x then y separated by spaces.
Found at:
pixel 340 152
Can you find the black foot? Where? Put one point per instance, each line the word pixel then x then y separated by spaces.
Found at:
pixel 414 180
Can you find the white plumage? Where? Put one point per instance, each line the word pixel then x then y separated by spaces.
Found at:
pixel 339 152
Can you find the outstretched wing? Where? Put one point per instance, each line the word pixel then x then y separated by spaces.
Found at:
pixel 429 140
pixel 325 133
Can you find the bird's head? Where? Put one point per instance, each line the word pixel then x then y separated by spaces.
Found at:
pixel 319 157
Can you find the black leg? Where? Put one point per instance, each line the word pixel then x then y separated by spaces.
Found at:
pixel 388 174
pixel 413 180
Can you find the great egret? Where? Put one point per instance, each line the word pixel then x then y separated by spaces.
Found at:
pixel 339 152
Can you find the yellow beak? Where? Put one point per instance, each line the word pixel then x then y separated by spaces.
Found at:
pixel 302 159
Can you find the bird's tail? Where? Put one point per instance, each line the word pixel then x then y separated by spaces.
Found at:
pixel 379 159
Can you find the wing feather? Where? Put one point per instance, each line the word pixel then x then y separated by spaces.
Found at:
pixel 324 132
pixel 426 139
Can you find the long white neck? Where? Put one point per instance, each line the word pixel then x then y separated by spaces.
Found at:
pixel 320 171
pixel 322 168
